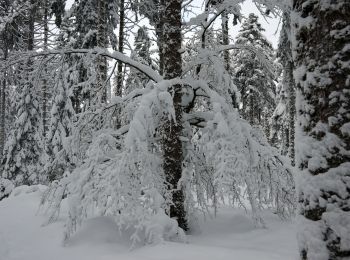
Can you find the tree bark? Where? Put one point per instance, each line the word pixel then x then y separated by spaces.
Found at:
pixel 291 116
pixel 225 38
pixel 2 115
pixel 119 86
pixel 322 57
pixel 44 86
pixel 3 100
pixel 172 144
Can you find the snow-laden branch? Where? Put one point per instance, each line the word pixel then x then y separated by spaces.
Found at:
pixel 148 71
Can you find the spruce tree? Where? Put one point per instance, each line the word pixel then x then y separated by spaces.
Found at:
pixel 284 114
pixel 255 82
pixel 140 53
pixel 60 127
pixel 321 55
pixel 24 147
pixel 12 19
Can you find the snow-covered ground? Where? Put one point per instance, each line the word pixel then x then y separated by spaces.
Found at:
pixel 230 236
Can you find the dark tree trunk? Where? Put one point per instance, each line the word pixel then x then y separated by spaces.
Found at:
pixel 44 87
pixel 322 72
pixel 119 86
pixel 225 39
pixel 2 115
pixel 291 106
pixel 102 43
pixel 159 33
pixel 30 35
pixel 172 144
pixel 3 99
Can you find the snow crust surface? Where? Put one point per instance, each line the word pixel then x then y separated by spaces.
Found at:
pixel 231 235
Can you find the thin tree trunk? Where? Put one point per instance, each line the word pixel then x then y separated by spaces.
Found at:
pixel 44 86
pixel 119 87
pixel 159 33
pixel 102 43
pixel 3 99
pixel 30 36
pixel 323 146
pixel 291 134
pixel 2 115
pixel 225 38
pixel 172 144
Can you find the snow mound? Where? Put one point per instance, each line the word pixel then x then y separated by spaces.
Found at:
pixel 99 231
pixel 24 189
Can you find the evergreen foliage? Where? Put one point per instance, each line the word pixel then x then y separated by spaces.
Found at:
pixel 255 83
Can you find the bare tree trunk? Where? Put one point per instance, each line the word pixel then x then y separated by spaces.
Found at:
pixel 291 117
pixel 30 35
pixel 159 33
pixel 102 43
pixel 44 86
pixel 2 115
pixel 119 87
pixel 225 38
pixel 323 83
pixel 172 144
pixel 3 99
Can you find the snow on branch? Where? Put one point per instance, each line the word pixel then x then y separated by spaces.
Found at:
pixel 147 70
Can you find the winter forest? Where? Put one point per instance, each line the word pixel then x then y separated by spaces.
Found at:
pixel 174 129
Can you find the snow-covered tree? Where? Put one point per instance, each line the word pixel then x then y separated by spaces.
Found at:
pixel 61 126
pixel 24 146
pixel 321 56
pixel 11 20
pixel 142 54
pixel 283 117
pixel 255 83
pixel 89 24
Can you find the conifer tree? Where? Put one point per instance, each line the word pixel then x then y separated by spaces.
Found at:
pixel 284 114
pixel 321 50
pixel 254 81
pixel 61 126
pixel 12 19
pixel 24 147
pixel 140 53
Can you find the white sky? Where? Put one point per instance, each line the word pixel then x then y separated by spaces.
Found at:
pixel 271 25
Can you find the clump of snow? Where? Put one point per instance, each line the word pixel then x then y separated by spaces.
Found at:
pixel 160 227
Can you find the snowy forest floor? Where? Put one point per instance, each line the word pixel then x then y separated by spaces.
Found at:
pixel 229 236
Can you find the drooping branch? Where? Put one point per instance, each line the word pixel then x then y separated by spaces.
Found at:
pixel 149 72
